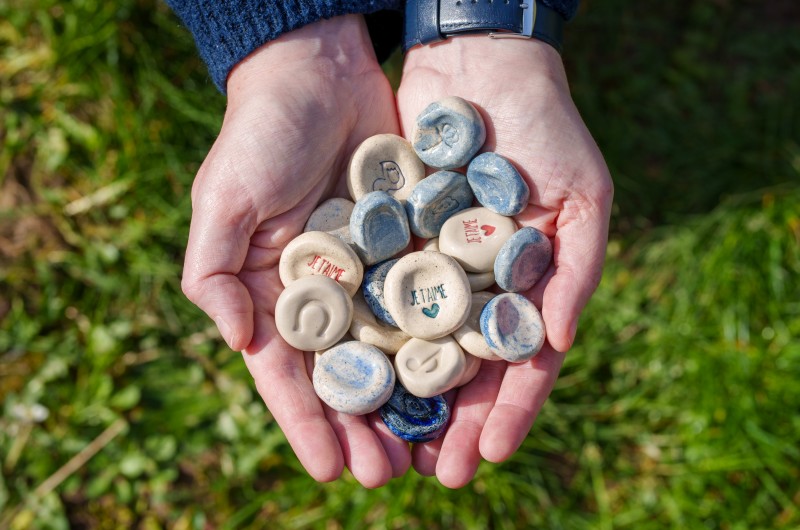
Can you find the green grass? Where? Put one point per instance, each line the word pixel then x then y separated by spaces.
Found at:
pixel 677 408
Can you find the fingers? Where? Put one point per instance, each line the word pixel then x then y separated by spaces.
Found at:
pixel 397 450
pixel 524 389
pixel 363 452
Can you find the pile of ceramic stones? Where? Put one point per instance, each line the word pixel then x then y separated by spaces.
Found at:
pixel 349 297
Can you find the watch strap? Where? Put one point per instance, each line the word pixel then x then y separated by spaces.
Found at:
pixel 429 21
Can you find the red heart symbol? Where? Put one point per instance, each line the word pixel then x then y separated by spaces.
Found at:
pixel 488 229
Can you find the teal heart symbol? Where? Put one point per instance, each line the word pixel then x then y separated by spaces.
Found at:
pixel 432 312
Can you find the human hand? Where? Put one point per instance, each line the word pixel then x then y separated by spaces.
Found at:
pixel 521 90
pixel 297 108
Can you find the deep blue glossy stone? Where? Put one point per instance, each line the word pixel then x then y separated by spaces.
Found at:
pixel 448 133
pixel 497 184
pixel 379 227
pixel 434 200
pixel 415 419
pixel 523 259
pixel 374 277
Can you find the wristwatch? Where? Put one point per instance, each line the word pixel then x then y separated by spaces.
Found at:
pixel 429 21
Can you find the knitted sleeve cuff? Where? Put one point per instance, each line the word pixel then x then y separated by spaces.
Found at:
pixel 226 31
pixel 566 8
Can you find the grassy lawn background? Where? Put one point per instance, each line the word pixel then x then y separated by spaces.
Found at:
pixel 678 406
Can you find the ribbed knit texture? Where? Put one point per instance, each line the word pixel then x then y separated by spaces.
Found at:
pixel 226 31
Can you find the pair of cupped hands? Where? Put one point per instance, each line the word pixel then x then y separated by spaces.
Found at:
pixel 297 108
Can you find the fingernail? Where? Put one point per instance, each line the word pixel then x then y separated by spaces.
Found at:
pixel 225 330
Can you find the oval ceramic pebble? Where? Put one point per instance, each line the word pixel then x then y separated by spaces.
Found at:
pixel 523 260
pixel 384 162
pixel 471 369
pixel 332 217
pixel 428 368
pixel 366 328
pixel 474 237
pixel 512 327
pixel 427 294
pixel 374 277
pixel 469 336
pixel 354 378
pixel 313 313
pixel 318 253
pixel 448 133
pixel 497 184
pixel 415 419
pixel 319 353
pixel 478 281
pixel 435 199
pixel 431 245
pixel 379 227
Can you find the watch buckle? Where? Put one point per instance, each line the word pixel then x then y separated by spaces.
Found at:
pixel 528 21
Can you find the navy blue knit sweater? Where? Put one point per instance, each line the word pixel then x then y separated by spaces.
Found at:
pixel 226 31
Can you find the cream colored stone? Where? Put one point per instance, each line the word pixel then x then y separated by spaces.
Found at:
pixel 385 162
pixel 365 327
pixel 469 336
pixel 430 368
pixel 473 366
pixel 478 281
pixel 313 313
pixel 427 294
pixel 431 245
pixel 318 253
pixel 332 217
pixel 474 237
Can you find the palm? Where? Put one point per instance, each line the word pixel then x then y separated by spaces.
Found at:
pixel 532 121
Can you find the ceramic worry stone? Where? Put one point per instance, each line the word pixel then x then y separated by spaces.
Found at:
pixel 354 378
pixel 523 260
pixel 374 277
pixel 379 227
pixel 365 327
pixel 497 184
pixel 427 294
pixel 427 368
pixel 333 217
pixel 448 133
pixel 434 200
pixel 318 253
pixel 415 419
pixel 313 313
pixel 384 162
pixel 512 327
pixel 474 237
pixel 469 336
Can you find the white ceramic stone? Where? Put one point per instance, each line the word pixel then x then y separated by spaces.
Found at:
pixel 448 133
pixel 313 313
pixel 427 294
pixel 318 253
pixel 474 237
pixel 354 378
pixel 366 328
pixel 431 245
pixel 384 162
pixel 479 281
pixel 513 327
pixel 429 368
pixel 471 369
pixel 333 217
pixel 469 336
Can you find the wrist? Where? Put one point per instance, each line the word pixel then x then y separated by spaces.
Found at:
pixel 336 48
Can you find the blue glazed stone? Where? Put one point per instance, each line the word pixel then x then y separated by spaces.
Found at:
pixel 379 227
pixel 374 277
pixel 497 184
pixel 522 260
pixel 434 200
pixel 512 327
pixel 448 133
pixel 354 378
pixel 415 419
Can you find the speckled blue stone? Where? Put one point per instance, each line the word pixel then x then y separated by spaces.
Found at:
pixel 448 133
pixel 522 260
pixel 497 184
pixel 512 327
pixel 434 200
pixel 415 419
pixel 379 227
pixel 374 277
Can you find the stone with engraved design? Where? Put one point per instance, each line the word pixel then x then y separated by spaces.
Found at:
pixel 448 133
pixel 320 253
pixel 384 162
pixel 428 368
pixel 435 199
pixel 474 237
